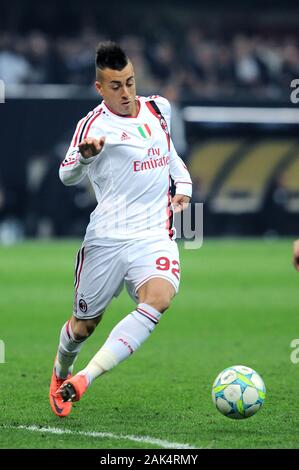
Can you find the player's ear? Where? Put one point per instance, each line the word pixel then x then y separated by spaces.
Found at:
pixel 98 87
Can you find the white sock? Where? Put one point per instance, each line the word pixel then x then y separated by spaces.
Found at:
pixel 123 340
pixel 68 351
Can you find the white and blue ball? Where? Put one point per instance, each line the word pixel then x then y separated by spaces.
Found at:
pixel 238 392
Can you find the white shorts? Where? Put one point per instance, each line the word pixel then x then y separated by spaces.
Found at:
pixel 101 272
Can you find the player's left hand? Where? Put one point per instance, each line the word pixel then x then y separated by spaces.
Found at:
pixel 180 202
pixel 296 254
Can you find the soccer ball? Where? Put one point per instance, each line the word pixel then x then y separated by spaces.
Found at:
pixel 238 392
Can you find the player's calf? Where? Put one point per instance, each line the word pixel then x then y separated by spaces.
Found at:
pixel 72 337
pixel 123 341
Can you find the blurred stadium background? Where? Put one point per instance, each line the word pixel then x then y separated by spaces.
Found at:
pixel 227 70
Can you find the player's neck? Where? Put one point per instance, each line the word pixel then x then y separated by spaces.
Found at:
pixel 136 107
pixel 133 114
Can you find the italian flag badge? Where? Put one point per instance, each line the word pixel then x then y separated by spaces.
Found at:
pixel 144 131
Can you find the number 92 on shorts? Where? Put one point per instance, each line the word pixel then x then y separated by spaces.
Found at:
pixel 102 271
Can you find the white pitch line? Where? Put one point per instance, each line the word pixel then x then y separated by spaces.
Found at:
pixel 144 439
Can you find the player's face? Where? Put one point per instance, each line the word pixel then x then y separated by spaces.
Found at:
pixel 118 89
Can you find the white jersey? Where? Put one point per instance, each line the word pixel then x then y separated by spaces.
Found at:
pixel 131 175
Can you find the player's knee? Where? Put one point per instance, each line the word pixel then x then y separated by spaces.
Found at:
pixel 160 301
pixel 82 332
pixel 82 329
pixel 158 293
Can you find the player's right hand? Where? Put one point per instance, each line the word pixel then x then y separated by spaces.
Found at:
pixel 90 146
pixel 296 254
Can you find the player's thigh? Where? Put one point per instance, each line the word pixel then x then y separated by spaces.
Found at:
pixel 153 260
pixel 99 276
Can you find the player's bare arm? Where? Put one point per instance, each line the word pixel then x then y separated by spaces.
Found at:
pixel 180 202
pixel 90 147
pixel 296 254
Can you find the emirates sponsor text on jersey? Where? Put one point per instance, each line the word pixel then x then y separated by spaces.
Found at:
pixel 150 164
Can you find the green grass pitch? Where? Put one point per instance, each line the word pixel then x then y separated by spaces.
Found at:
pixel 238 304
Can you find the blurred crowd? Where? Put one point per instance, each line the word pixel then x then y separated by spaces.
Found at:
pixel 197 65
pixel 187 55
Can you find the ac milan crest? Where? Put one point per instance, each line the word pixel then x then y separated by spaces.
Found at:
pixel 164 125
pixel 82 305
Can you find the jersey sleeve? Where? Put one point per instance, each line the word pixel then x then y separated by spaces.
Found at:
pixel 179 173
pixel 75 167
pixel 164 107
pixel 178 169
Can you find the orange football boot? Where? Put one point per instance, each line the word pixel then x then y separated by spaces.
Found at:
pixel 59 407
pixel 72 389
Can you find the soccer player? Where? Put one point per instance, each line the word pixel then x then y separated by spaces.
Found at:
pixel 124 147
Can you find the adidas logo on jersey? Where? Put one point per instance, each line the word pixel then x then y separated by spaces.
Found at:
pixel 124 136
